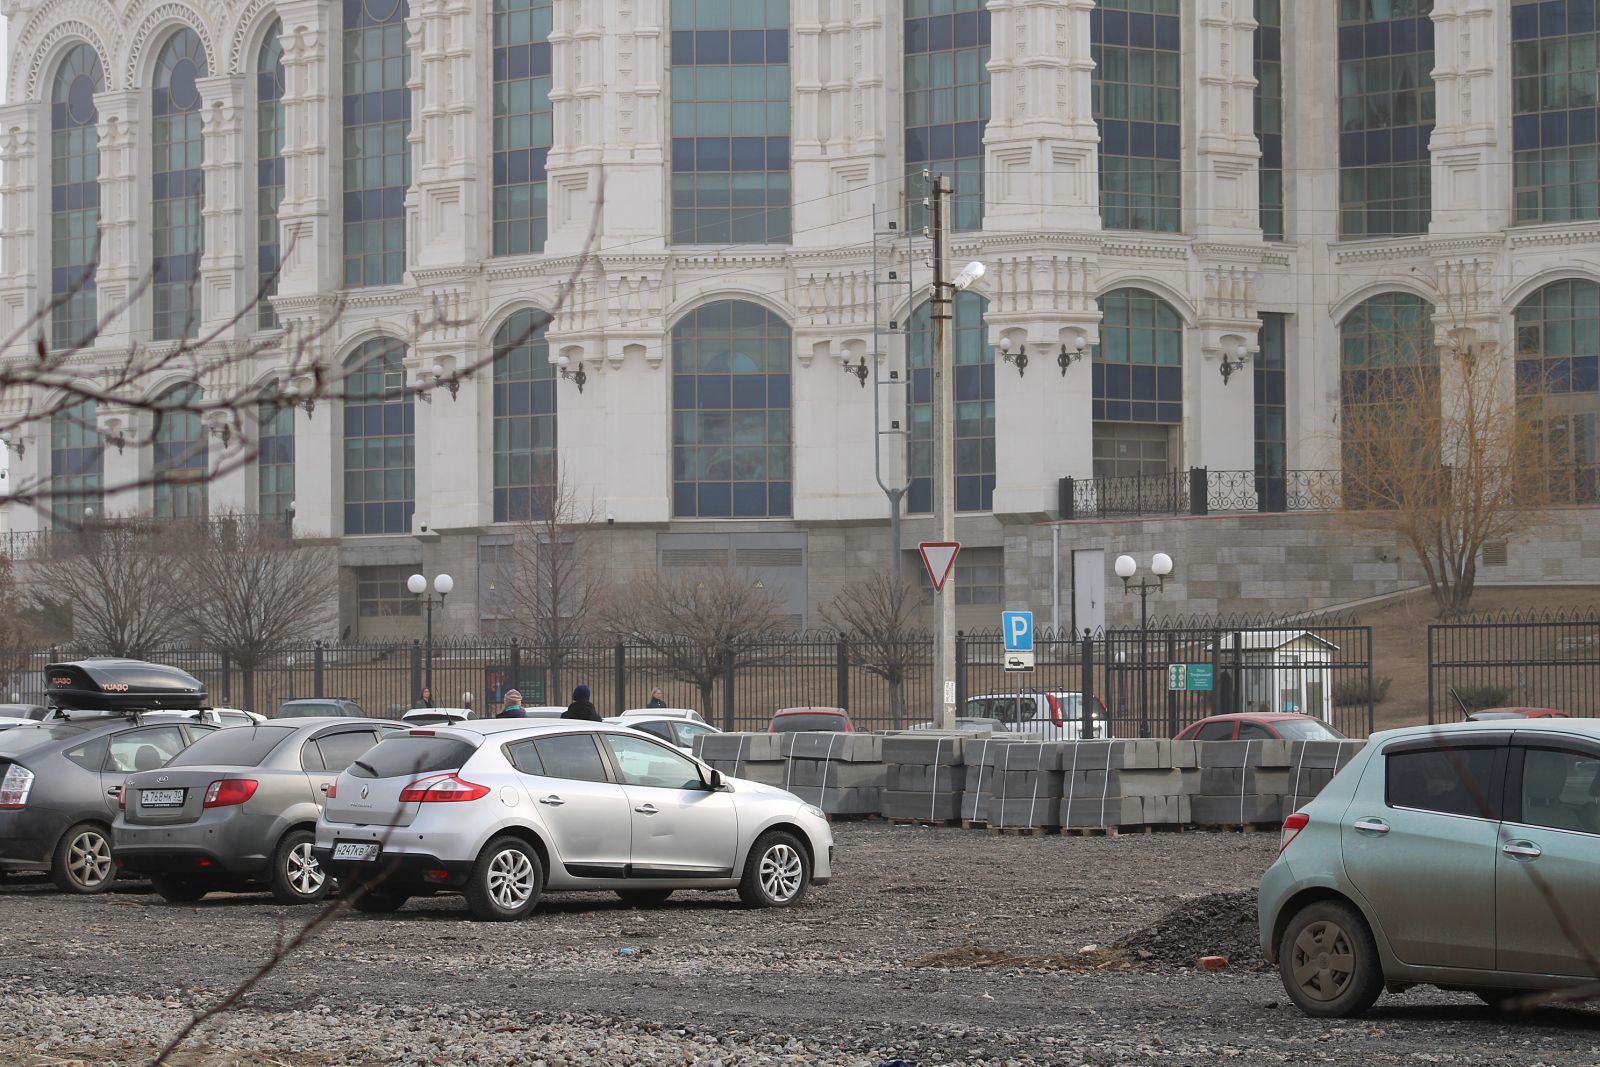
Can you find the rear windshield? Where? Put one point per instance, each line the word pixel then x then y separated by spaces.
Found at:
pixel 785 724
pixel 22 738
pixel 1306 730
pixel 242 746
pixel 396 756
pixel 301 711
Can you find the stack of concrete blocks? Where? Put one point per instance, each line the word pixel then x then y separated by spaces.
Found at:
pixel 925 775
pixel 753 757
pixel 1263 781
pixel 1013 782
pixel 1118 784
pixel 840 773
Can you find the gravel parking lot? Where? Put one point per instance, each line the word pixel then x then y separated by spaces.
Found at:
pixel 701 981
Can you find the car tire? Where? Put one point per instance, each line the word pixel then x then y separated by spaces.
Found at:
pixel 178 890
pixel 777 872
pixel 82 860
pixel 377 901
pixel 297 878
pixel 1329 962
pixel 506 882
pixel 644 898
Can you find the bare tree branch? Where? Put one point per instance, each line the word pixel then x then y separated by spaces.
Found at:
pixel 880 621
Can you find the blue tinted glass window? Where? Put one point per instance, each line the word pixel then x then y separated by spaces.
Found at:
pixel 526 477
pixel 946 103
pixel 730 122
pixel 180 455
pixel 1272 413
pixel 1138 105
pixel 522 132
pixel 1558 339
pixel 731 437
pixel 379 447
pixel 1269 113
pixel 377 154
pixel 1386 116
pixel 179 186
pixel 77 458
pixel 1555 67
pixel 275 461
pixel 74 198
pixel 973 398
pixel 269 171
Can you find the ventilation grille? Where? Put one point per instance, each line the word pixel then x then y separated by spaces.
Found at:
pixel 771 557
pixel 1494 554
pixel 694 557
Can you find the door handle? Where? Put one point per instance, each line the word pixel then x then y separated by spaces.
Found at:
pixel 1525 850
pixel 552 800
pixel 646 809
pixel 1372 826
pixel 324 788
pixel 114 791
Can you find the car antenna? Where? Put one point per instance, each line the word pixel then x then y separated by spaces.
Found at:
pixel 1460 703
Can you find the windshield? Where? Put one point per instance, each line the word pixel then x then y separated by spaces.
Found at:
pixel 408 754
pixel 1306 730
pixel 243 746
pixel 785 724
pixel 307 710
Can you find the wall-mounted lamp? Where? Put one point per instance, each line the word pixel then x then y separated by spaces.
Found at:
pixel 577 377
pixel 443 376
pixel 220 423
pixel 1068 356
pixel 1017 358
pixel 1241 356
pixel 859 370
pixel 113 432
pixel 298 392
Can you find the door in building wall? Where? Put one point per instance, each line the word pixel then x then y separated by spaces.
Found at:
pixel 1088 589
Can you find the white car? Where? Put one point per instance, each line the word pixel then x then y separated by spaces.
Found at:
pixel 670 725
pixel 688 714
pixel 237 717
pixel 1057 716
pixel 436 716
pixel 503 811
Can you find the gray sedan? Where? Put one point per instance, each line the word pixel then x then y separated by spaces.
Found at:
pixel 237 809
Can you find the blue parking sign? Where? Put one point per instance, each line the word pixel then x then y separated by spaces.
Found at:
pixel 1017 627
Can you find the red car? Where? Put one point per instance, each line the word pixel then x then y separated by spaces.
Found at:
pixel 1515 713
pixel 827 720
pixel 1260 726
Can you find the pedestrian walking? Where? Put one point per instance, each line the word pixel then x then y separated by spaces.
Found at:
pixel 581 708
pixel 513 706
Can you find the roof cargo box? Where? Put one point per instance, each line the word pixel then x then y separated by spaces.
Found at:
pixel 122 684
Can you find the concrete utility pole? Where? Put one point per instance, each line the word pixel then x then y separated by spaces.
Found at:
pixel 944 448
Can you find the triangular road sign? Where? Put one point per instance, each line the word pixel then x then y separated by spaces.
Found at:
pixel 939 557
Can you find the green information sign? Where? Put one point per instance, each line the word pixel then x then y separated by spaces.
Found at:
pixel 1191 677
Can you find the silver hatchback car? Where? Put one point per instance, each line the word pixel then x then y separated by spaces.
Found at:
pixel 1464 856
pixel 505 809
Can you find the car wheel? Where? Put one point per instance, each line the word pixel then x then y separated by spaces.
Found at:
pixel 297 877
pixel 644 898
pixel 506 882
pixel 777 872
pixel 1329 962
pixel 82 861
pixel 178 890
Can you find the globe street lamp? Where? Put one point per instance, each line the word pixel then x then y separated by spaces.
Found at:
pixel 1127 567
pixel 442 584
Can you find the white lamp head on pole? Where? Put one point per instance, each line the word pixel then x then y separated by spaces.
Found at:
pixel 1161 564
pixel 417 584
pixel 442 584
pixel 1127 566
pixel 969 274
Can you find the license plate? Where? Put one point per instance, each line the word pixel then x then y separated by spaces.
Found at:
pixel 161 798
pixel 349 850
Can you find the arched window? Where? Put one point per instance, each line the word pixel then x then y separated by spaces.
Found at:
pixel 1386 116
pixel 74 197
pixel 269 171
pixel 76 464
pixel 522 125
pixel 181 455
pixel 947 102
pixel 178 186
pixel 1558 367
pixel 1138 386
pixel 730 122
pixel 1138 104
pixel 275 460
pixel 380 481
pixel 1389 397
pixel 731 413
pixel 525 471
pixel 1555 86
pixel 377 154
pixel 974 408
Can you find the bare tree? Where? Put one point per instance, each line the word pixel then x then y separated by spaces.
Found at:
pixel 1442 448
pixel 250 589
pixel 558 573
pixel 119 577
pixel 879 620
pixel 699 622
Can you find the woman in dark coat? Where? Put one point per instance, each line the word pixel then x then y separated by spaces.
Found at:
pixel 581 708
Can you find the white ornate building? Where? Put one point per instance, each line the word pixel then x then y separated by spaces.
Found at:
pixel 1181 184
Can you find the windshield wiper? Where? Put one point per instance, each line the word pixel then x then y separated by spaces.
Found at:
pixel 369 768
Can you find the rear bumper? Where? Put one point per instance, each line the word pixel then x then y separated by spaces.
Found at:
pixel 398 869
pixel 222 846
pixel 189 861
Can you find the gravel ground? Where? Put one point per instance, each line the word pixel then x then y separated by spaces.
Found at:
pixel 703 982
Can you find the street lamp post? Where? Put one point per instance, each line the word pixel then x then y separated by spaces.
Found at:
pixel 1127 567
pixel 442 584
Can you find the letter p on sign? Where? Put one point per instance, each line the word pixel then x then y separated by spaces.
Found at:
pixel 1017 626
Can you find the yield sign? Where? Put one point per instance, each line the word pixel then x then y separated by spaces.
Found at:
pixel 939 557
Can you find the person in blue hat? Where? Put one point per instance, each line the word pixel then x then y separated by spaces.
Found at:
pixel 581 708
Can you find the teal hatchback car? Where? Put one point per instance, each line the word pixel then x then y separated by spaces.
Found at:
pixel 1464 856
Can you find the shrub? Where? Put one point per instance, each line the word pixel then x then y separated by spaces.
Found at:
pixel 1354 691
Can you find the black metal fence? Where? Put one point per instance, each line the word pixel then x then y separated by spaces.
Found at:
pixel 1520 659
pixel 1200 491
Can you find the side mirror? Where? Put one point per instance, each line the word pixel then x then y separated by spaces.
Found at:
pixel 714 781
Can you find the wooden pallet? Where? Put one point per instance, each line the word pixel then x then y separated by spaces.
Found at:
pixel 1095 831
pixel 853 816
pixel 924 822
pixel 974 824
pixel 1244 828
pixel 1023 831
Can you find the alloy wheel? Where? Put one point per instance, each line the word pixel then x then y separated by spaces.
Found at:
pixel 89 859
pixel 1324 960
pixel 781 871
pixel 304 873
pixel 511 879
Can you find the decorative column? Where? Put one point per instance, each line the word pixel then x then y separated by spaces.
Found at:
pixel 122 267
pixel 1471 146
pixel 125 434
pixel 1225 198
pixel 1218 411
pixel 446 224
pixel 1041 140
pixel 832 410
pixel 24 207
pixel 224 285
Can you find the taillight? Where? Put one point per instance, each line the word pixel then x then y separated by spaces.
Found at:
pixel 333 790
pixel 230 791
pixel 122 798
pixel 1291 829
pixel 15 786
pixel 444 787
